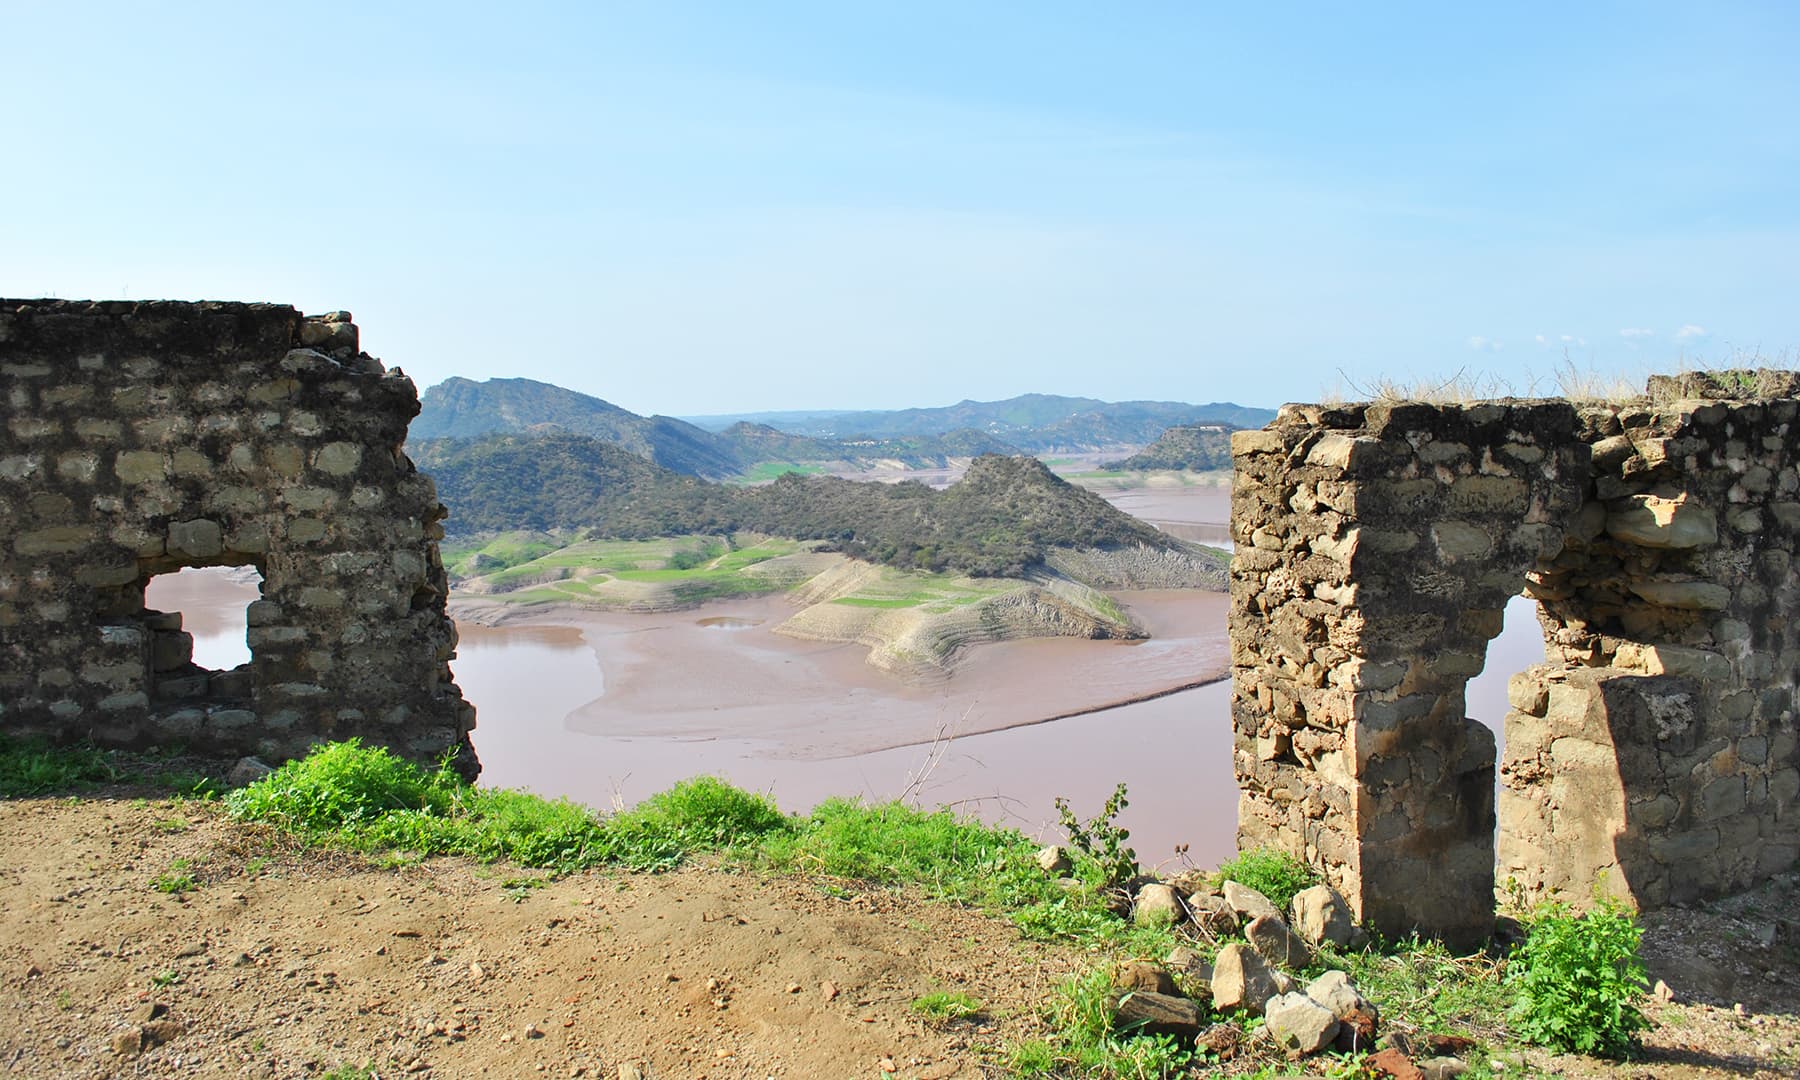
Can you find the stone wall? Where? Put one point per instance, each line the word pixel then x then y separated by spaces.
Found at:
pixel 141 438
pixel 1655 750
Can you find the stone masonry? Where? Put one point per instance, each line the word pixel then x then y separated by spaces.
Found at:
pixel 143 437
pixel 1653 753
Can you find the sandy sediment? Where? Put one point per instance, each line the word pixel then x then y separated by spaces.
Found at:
pixel 927 639
pixel 923 639
pixel 1140 567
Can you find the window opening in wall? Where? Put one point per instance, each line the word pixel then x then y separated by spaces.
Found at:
pixel 1520 645
pixel 197 617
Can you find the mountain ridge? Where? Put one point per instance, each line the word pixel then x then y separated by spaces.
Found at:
pixel 915 438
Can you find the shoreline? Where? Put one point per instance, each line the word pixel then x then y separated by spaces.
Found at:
pixel 1137 699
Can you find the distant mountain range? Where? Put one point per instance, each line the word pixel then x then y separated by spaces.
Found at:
pixel 1035 422
pixel 761 444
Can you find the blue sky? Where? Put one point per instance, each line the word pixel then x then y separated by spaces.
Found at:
pixel 689 208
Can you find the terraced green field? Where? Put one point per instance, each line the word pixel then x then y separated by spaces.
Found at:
pixel 764 471
pixel 527 568
pixel 899 589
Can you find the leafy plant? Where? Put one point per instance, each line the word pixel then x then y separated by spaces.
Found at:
pixel 1276 874
pixel 1578 978
pixel 1101 838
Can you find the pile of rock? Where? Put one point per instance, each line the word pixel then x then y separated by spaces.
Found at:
pixel 1254 976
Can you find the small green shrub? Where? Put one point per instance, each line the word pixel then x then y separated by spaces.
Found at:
pixel 1101 839
pixel 342 783
pixel 1275 874
pixel 1577 978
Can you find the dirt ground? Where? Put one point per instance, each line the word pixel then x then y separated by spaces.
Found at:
pixel 282 962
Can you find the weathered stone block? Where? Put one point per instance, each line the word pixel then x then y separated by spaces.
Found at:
pixel 1689 595
pixel 200 538
pixel 56 540
pixel 140 466
pixel 1662 522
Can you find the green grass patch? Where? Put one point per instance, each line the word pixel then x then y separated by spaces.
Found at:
pixel 1432 987
pixel 177 879
pixel 764 471
pixel 694 568
pixel 1083 1042
pixel 946 1005
pixel 365 798
pixel 34 767
pixel 1276 874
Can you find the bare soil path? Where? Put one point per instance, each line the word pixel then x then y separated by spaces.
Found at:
pixel 284 963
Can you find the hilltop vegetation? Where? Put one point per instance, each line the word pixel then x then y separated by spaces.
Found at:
pixel 464 409
pixel 1187 447
pixel 1004 517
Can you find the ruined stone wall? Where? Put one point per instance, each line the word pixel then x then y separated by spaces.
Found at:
pixel 1377 546
pixel 141 438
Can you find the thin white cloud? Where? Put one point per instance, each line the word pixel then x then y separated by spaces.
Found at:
pixel 1484 344
pixel 1689 332
pixel 1634 333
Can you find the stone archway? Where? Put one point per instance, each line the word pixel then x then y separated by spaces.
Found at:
pixel 1655 749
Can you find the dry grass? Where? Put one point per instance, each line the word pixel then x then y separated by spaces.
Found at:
pixel 1743 374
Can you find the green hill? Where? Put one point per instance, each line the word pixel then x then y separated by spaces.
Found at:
pixel 1002 519
pixel 1190 447
pixel 464 409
